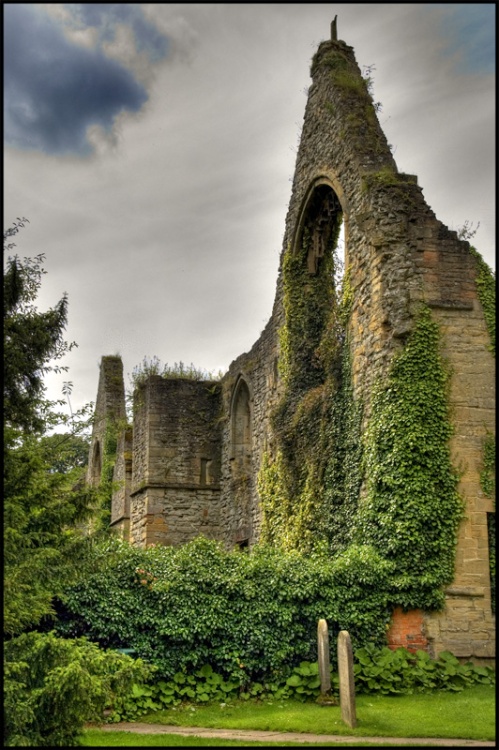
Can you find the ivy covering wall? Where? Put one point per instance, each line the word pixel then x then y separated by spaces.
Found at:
pixel 329 484
pixel 486 287
pixel 412 509
pixel 307 489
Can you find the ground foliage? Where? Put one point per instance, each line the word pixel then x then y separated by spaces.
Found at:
pixel 379 671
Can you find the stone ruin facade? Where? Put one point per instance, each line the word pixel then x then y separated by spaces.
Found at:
pixel 189 464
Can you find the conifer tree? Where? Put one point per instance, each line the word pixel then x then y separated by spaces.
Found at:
pixel 42 503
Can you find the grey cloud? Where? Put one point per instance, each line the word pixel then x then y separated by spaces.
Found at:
pixel 54 90
pixel 105 16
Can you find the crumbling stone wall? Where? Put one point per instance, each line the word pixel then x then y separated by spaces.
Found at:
pixel 109 409
pixel 122 481
pixel 198 447
pixel 176 462
pixel 258 370
pixel 397 255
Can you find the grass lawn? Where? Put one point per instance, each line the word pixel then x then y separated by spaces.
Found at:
pixel 469 714
pixel 96 738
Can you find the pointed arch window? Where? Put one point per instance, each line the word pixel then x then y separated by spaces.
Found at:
pixel 241 425
pixel 96 470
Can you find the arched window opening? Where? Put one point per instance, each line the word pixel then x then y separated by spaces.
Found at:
pixel 321 226
pixel 96 464
pixel 241 425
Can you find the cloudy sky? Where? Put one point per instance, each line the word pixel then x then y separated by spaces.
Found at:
pixel 152 149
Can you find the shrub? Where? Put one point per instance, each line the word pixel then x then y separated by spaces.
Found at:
pixel 53 686
pixel 400 671
pixel 251 617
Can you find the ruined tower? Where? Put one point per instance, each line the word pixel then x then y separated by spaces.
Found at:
pixel 193 462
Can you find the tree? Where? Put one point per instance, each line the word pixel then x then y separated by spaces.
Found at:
pixel 66 452
pixel 32 339
pixel 45 499
pixel 52 685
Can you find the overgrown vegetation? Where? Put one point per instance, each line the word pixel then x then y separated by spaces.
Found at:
pixel 491 533
pixel 354 92
pixel 379 671
pixel 485 281
pixel 488 473
pixel 170 604
pixel 313 362
pixel 53 686
pixel 412 510
pixel 486 286
pixel 310 490
pixel 153 366
pixel 50 685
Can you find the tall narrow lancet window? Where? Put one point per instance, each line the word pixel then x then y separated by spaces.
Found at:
pixel 96 470
pixel 241 425
pixel 322 222
pixel 312 275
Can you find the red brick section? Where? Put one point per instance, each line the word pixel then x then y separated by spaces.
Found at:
pixel 406 629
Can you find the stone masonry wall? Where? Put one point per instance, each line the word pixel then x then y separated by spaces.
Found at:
pixel 176 462
pixel 109 407
pixel 122 480
pixel 198 447
pixel 467 625
pixel 239 497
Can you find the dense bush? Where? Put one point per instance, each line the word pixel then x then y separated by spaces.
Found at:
pixel 52 686
pixel 248 616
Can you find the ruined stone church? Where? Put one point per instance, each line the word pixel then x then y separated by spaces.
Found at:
pixel 190 462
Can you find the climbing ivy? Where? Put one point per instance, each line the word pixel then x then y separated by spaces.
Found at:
pixel 106 485
pixel 491 529
pixel 487 475
pixel 291 486
pixel 343 472
pixel 486 287
pixel 400 464
pixel 488 485
pixel 308 298
pixel 412 509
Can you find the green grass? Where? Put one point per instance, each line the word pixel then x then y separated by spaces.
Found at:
pixel 96 738
pixel 469 714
